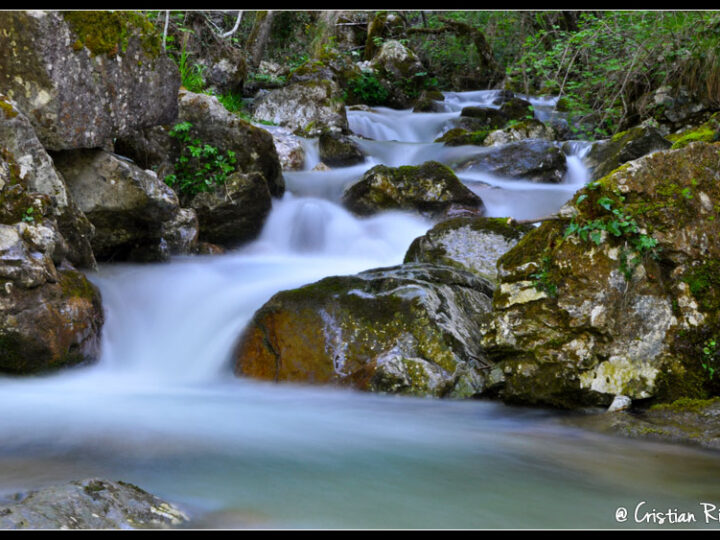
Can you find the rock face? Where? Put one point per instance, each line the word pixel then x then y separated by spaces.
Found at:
pixel 91 504
pixel 38 174
pixel 83 78
pixel 126 205
pixel 430 188
pixel 534 160
pixel 606 156
pixel 410 329
pixel 472 244
pixel 621 295
pixel 307 108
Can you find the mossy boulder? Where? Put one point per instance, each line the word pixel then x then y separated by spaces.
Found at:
pixel 532 159
pixel 431 188
pixel 516 108
pixel 337 150
pixel 473 244
pixel 619 295
pixel 461 137
pixel 401 72
pixel 307 108
pixel 126 204
pixel 85 77
pixel 410 329
pixel 486 117
pixel 607 155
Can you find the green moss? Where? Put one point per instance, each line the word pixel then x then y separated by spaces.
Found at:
pixel 704 282
pixel 109 32
pixel 685 404
pixel 459 136
pixel 706 132
pixel 7 108
pixel 75 284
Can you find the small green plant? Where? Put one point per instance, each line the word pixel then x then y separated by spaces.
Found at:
pixel 542 280
pixel 28 215
pixel 191 75
pixel 200 167
pixel 710 350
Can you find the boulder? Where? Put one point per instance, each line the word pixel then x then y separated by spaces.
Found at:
pixel 461 137
pixel 181 231
pixel 235 212
pixel 401 72
pixel 90 504
pixel 85 77
pixel 483 117
pixel 307 108
pixel 533 160
pixel 620 295
pixel 606 156
pixel 37 173
pixel 410 329
pixel 470 243
pixel 431 188
pixel 289 148
pixel 126 205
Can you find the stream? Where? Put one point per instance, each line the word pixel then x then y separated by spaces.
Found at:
pixel 162 409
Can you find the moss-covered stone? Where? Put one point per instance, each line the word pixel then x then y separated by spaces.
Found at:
pixel 610 290
pixel 705 132
pixel 430 188
pixel 459 137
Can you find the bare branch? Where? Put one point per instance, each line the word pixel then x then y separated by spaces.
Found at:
pixel 234 28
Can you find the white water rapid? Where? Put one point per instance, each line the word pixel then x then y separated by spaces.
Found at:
pixel 161 408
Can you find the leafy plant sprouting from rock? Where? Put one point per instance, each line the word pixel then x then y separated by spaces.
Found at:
pixel 618 224
pixel 200 167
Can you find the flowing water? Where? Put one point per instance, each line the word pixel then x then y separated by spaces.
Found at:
pixel 162 409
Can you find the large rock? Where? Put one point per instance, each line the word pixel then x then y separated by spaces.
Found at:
pixel 36 171
pixel 126 205
pixel 90 504
pixel 619 296
pixel 307 108
pixel 533 159
pixel 527 129
pixel 431 188
pixel 410 329
pixel 337 150
pixel 85 77
pixel 470 243
pixel 606 156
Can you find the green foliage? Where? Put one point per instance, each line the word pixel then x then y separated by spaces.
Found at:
pixel 200 167
pixel 28 215
pixel 191 75
pixel 367 89
pixel 709 357
pixel 613 58
pixel 618 224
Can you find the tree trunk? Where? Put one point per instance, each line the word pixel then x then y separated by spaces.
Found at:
pixel 325 29
pixel 259 36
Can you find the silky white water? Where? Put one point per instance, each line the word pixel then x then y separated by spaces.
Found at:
pixel 161 408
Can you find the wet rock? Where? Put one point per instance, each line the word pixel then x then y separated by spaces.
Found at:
pixel 516 108
pixel 606 156
pixel 533 160
pixel 37 173
pixel 472 244
pixel 461 137
pixel 430 188
pixel 181 232
pixel 571 305
pixel 126 205
pixel 289 148
pixel 338 150
pixel 308 108
pixel 84 77
pixel 410 329
pixel 483 118
pixel 235 212
pixel 90 504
